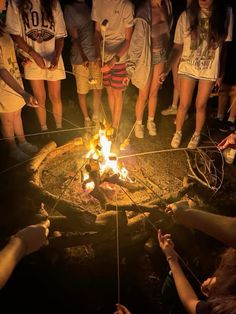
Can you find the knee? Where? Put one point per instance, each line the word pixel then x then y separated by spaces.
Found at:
pixel 55 98
pixel 200 106
pixel 183 107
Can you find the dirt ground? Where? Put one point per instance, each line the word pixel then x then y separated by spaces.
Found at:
pixel 78 280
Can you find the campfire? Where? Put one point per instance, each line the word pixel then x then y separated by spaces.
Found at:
pixel 103 170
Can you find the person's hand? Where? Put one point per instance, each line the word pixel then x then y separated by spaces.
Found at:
pixel 30 100
pixel 167 246
pixel 176 210
pixel 121 309
pixel 126 81
pixel 54 63
pixel 229 141
pixel 207 285
pixel 218 82
pixel 34 237
pixel 108 66
pixel 162 77
pixel 38 59
pixel 26 61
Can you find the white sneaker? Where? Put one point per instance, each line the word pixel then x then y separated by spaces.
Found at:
pixel 18 155
pixel 169 111
pixel 229 155
pixel 28 148
pixel 195 139
pixel 176 140
pixel 151 126
pixel 139 130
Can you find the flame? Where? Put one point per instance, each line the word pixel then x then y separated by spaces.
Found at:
pixel 100 150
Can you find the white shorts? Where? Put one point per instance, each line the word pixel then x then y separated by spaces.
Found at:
pixel 34 72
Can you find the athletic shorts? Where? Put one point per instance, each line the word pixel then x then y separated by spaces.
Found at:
pixel 114 78
pixel 87 78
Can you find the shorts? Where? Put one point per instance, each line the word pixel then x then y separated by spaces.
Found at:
pixel 87 78
pixel 114 78
pixel 159 56
pixel 33 72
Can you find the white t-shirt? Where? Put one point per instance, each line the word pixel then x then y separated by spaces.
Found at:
pixel 37 32
pixel 198 60
pixel 120 15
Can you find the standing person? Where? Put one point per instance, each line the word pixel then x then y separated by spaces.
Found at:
pixel 200 37
pixel 147 56
pixel 38 28
pixel 83 57
pixel 13 98
pixel 114 25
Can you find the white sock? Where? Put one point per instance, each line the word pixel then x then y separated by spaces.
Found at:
pixel 197 133
pixel 231 119
pixel 150 119
pixel 179 132
pixel 139 122
pixel 44 127
pixel 87 119
pixel 174 106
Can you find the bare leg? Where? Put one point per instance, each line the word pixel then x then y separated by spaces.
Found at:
pixel 204 90
pixel 18 127
pixel 111 100
pixel 118 95
pixel 176 82
pixel 232 113
pixel 186 93
pixel 83 105
pixel 8 129
pixel 154 88
pixel 141 100
pixel 40 94
pixel 97 93
pixel 54 92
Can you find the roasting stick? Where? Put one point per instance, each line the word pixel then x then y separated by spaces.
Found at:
pixel 155 228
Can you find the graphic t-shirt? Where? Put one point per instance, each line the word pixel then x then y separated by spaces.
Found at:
pixel 36 30
pixel 120 15
pixel 78 15
pixel 10 101
pixel 198 60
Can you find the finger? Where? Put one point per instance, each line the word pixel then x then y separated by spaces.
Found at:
pixel 45 223
pixel 159 235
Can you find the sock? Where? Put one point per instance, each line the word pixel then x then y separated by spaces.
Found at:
pixel 179 132
pixel 174 106
pixel 139 122
pixel 197 133
pixel 87 119
pixel 231 119
pixel 44 127
pixel 150 119
pixel 220 116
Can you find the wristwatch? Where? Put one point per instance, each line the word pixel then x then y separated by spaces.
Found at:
pixel 117 58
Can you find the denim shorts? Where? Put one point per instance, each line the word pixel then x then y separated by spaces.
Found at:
pixel 159 56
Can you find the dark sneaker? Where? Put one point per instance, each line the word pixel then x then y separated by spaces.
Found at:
pixel 227 126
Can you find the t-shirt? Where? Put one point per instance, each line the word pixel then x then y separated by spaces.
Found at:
pixel 36 30
pixel 203 307
pixel 78 15
pixel 120 15
pixel 10 101
pixel 198 60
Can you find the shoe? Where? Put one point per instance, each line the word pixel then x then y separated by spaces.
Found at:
pixel 227 126
pixel 151 126
pixel 18 155
pixel 229 155
pixel 139 130
pixel 96 122
pixel 195 139
pixel 28 148
pixel 169 111
pixel 176 140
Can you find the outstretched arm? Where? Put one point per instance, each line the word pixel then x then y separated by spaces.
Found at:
pixel 220 227
pixel 24 242
pixel 6 76
pixel 185 291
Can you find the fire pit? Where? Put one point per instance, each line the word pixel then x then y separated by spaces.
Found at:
pixel 89 186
